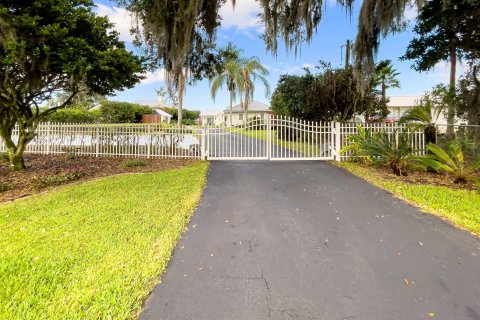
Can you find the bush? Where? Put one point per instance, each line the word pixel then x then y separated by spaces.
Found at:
pixel 131 163
pixel 451 161
pixel 189 117
pixel 4 157
pixel 390 150
pixel 48 180
pixel 4 187
pixel 122 112
pixel 74 115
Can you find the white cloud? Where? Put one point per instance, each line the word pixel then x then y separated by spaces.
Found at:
pixel 243 17
pixel 411 12
pixel 441 72
pixel 152 77
pixel 122 19
pixel 287 69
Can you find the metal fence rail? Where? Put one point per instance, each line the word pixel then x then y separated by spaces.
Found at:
pixel 273 138
pixel 417 138
pixel 115 140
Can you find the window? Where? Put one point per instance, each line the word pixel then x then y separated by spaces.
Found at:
pixel 240 116
pixel 261 116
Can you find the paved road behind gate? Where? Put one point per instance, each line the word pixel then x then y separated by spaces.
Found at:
pixel 311 241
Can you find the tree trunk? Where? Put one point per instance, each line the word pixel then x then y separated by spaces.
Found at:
pixel 15 152
pixel 181 86
pixel 384 90
pixel 245 109
pixel 451 107
pixel 231 107
pixel 430 133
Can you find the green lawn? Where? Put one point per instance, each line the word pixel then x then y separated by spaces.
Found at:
pixel 461 207
pixel 307 149
pixel 93 250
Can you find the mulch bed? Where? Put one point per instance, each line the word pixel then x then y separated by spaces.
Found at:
pixel 420 177
pixel 61 170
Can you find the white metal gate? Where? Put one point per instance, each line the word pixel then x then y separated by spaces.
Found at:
pixel 273 138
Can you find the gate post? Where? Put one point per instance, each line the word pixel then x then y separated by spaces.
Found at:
pixel 203 143
pixel 336 137
pixel 48 137
pixel 269 138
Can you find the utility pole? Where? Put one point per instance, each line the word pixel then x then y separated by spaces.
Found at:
pixel 347 54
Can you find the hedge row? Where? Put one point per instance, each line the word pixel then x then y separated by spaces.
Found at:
pixel 108 112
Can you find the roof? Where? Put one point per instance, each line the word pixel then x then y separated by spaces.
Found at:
pixel 404 101
pixel 162 113
pixel 210 113
pixel 253 106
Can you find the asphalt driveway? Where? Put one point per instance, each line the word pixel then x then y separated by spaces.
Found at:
pixel 311 241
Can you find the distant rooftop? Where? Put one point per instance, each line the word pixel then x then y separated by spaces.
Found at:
pixel 253 105
pixel 404 101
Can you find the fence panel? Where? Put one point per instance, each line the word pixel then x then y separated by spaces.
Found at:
pixel 390 129
pixel 115 140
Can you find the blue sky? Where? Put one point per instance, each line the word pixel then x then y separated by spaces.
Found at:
pixel 240 26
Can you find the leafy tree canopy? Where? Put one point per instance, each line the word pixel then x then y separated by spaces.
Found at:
pixel 174 29
pixel 442 27
pixel 47 47
pixel 331 94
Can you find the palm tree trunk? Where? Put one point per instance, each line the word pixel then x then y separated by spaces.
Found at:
pixel 231 107
pixel 384 90
pixel 451 108
pixel 181 85
pixel 245 108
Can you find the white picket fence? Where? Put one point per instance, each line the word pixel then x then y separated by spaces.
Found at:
pixel 275 138
pixel 417 138
pixel 116 140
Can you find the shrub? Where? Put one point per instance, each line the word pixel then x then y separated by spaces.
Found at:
pixel 189 117
pixel 131 163
pixel 4 187
pixel 74 115
pixel 451 161
pixel 390 150
pixel 357 144
pixel 4 156
pixel 48 180
pixel 122 112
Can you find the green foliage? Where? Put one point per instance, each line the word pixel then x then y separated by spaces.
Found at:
pixel 4 187
pixel 392 150
pixel 4 156
pixel 49 180
pixel 122 112
pixel 451 161
pixel 442 27
pixel 93 250
pixel 74 115
pixel 132 163
pixel 331 94
pixel 385 76
pixel 357 144
pixel 51 47
pixel 189 117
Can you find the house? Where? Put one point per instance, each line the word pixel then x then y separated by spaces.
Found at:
pixel 256 109
pixel 398 105
pixel 156 105
pixel 210 117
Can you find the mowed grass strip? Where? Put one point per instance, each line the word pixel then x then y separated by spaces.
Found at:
pixel 93 250
pixel 460 207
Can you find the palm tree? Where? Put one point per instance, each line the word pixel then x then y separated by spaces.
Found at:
pixel 251 70
pixel 229 74
pixel 386 76
pixel 423 117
